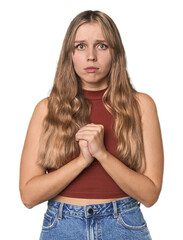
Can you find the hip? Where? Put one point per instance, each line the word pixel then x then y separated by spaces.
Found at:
pixel 115 220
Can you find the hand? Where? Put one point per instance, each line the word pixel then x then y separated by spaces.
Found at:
pixel 85 157
pixel 94 135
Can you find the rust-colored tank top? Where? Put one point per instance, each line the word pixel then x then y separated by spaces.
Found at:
pixel 94 182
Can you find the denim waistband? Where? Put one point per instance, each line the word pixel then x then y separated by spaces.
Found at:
pixel 91 210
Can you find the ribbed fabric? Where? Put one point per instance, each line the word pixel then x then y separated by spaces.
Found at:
pixel 94 182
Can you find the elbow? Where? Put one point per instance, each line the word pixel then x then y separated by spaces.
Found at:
pixel 152 196
pixel 151 200
pixel 27 203
pixel 26 199
pixel 149 204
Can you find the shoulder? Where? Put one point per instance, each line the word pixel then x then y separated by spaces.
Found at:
pixel 42 105
pixel 41 108
pixel 40 111
pixel 146 103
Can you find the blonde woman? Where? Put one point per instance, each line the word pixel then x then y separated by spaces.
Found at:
pixel 93 148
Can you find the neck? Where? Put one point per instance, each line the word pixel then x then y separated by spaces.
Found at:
pixel 94 94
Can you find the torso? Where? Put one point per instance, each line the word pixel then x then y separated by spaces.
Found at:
pixel 81 201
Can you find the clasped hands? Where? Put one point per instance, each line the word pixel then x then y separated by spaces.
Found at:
pixel 91 142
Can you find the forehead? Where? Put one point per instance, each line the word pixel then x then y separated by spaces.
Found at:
pixel 89 31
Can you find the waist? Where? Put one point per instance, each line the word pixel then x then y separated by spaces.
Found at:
pixel 83 201
pixel 92 209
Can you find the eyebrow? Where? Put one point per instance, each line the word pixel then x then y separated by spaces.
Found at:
pixel 80 41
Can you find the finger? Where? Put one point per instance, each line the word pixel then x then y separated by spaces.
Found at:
pixel 86 131
pixel 83 143
pixel 91 127
pixel 83 136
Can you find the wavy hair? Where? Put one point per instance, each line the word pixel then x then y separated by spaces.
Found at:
pixel 69 110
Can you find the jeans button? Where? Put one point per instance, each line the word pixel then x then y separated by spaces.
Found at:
pixel 90 210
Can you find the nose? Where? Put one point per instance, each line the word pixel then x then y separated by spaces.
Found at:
pixel 91 56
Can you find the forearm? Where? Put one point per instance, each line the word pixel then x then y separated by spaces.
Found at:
pixel 44 187
pixel 134 184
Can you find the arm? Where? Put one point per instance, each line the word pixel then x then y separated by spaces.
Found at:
pixel 35 185
pixel 144 186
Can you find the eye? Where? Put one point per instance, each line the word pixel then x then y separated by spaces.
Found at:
pixel 102 46
pixel 80 46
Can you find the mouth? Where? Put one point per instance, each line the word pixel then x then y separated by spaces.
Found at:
pixel 91 69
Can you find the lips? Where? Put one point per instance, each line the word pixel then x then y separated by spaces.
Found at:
pixel 91 69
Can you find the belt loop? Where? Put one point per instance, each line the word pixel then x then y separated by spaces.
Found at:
pixel 115 209
pixel 60 210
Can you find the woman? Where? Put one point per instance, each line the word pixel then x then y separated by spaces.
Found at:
pixel 97 138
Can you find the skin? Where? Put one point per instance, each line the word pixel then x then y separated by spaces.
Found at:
pixel 144 186
pixel 91 49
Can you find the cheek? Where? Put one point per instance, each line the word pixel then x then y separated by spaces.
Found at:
pixel 105 60
pixel 77 61
pixel 108 62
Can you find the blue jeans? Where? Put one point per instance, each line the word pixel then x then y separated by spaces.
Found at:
pixel 116 220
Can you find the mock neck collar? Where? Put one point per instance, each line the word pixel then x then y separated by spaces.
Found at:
pixel 94 94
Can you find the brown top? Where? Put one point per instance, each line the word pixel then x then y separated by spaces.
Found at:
pixel 94 182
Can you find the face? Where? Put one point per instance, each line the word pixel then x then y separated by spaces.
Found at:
pixel 91 57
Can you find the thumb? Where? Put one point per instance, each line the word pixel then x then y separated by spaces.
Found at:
pixel 83 144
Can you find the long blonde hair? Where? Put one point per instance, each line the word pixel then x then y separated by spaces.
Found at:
pixel 68 109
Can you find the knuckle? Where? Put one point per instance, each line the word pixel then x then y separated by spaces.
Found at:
pixel 92 137
pixel 101 129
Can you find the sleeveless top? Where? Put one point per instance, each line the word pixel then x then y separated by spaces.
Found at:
pixel 94 182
